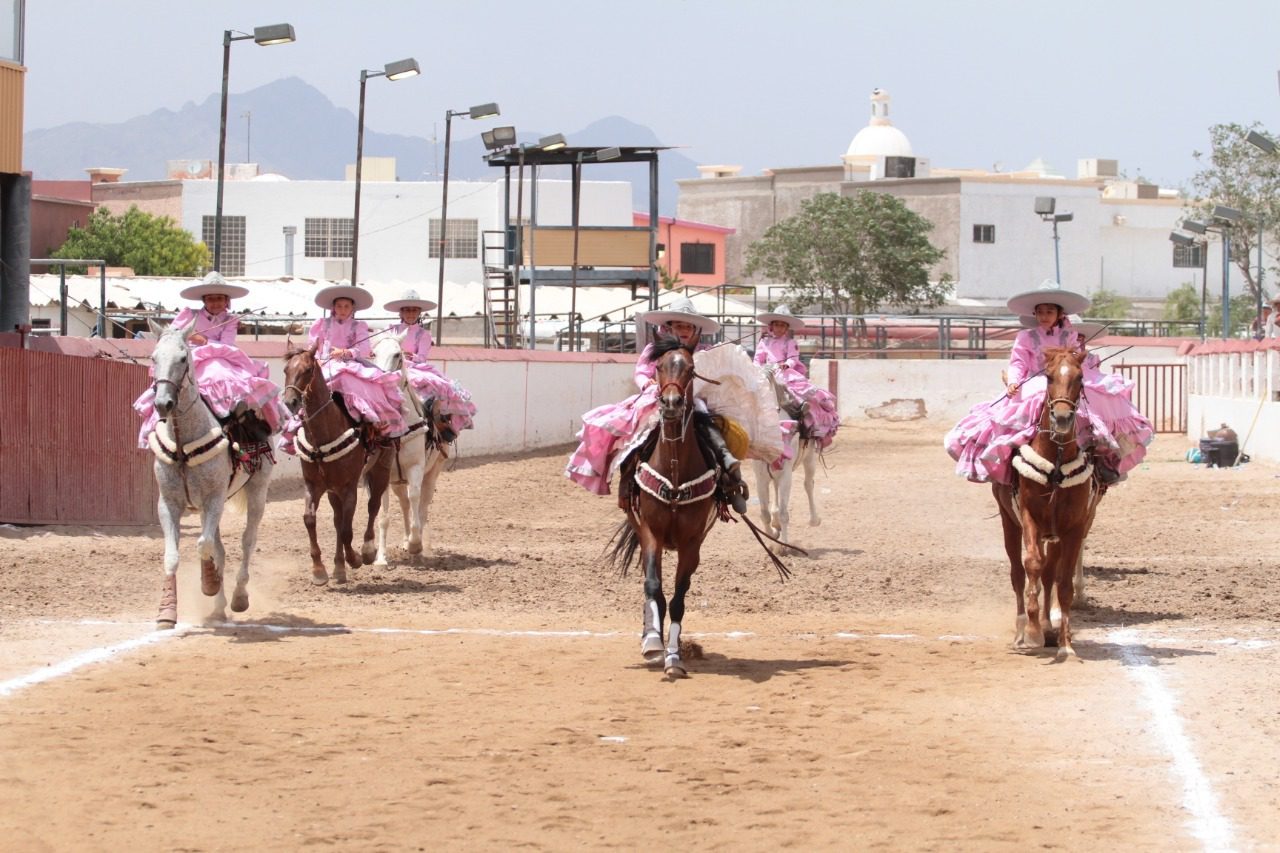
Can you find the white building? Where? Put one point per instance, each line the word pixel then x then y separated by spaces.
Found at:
pixel 273 226
pixel 995 243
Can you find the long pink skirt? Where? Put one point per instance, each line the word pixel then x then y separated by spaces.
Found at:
pixel 453 400
pixel 822 417
pixel 225 376
pixel 605 431
pixel 985 439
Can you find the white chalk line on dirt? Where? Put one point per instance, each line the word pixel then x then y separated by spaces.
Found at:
pixel 71 664
pixel 1207 823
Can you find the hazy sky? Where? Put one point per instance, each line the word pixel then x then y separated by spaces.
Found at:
pixel 758 83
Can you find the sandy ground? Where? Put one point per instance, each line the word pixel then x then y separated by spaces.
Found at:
pixel 492 695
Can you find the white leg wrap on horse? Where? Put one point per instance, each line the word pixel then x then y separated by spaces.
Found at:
pixel 673 639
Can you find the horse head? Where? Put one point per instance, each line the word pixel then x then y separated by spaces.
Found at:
pixel 441 424
pixel 675 379
pixel 388 354
pixel 300 372
pixel 171 364
pixel 1064 369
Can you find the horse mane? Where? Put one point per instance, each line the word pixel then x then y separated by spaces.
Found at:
pixel 662 346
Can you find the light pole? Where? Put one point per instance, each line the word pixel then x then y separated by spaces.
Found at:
pixel 392 71
pixel 1266 146
pixel 1202 245
pixel 1044 207
pixel 1224 217
pixel 265 36
pixel 476 112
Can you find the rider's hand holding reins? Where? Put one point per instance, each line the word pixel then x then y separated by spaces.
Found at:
pixel 198 339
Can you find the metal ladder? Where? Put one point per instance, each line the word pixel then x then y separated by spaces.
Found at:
pixel 501 295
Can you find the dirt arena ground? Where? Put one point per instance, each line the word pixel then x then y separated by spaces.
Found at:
pixel 492 695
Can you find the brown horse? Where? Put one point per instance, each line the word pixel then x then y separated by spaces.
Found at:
pixel 334 453
pixel 672 507
pixel 1049 508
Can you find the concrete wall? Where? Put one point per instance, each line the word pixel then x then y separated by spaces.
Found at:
pixel 947 388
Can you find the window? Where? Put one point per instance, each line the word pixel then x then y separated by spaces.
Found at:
pixel 463 239
pixel 232 242
pixel 698 258
pixel 1188 256
pixel 327 238
pixel 984 233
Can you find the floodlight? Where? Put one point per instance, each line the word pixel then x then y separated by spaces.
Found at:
pixel 484 111
pixel 1063 217
pixel 554 142
pixel 1182 239
pixel 274 34
pixel 1226 214
pixel 1262 143
pixel 1045 205
pixel 401 69
pixel 608 154
pixel 1193 225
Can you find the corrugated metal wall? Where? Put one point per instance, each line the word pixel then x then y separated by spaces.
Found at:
pixel 12 79
pixel 68 441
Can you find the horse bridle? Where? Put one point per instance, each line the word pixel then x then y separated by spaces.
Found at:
pixel 177 387
pixel 305 394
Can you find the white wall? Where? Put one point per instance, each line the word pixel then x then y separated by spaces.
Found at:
pixel 1240 388
pixel 394 219
pixel 947 388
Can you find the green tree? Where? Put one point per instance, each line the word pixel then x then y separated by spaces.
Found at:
pixel 1236 174
pixel 1243 313
pixel 1108 305
pixel 1182 305
pixel 151 245
pixel 852 255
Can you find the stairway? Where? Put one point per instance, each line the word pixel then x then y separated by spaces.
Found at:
pixel 501 295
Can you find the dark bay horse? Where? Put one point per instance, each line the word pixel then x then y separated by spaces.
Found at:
pixel 672 507
pixel 332 446
pixel 1048 510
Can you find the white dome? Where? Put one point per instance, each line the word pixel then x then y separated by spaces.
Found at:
pixel 269 177
pixel 883 140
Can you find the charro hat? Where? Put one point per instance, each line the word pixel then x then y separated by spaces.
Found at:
pixel 361 297
pixel 213 284
pixel 1050 292
pixel 1088 328
pixel 682 309
pixel 409 299
pixel 782 314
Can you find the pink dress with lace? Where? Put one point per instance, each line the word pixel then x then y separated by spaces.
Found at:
pixel 822 417
pixel 607 429
pixel 985 439
pixel 369 394
pixel 224 375
pixel 427 379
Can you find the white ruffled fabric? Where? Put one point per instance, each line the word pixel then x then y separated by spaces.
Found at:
pixel 744 395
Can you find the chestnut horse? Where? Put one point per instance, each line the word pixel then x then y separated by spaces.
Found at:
pixel 334 456
pixel 673 506
pixel 1049 508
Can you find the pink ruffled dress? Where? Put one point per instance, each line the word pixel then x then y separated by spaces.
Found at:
pixel 224 375
pixel 822 418
pixel 984 440
pixel 370 394
pixel 429 382
pixel 609 428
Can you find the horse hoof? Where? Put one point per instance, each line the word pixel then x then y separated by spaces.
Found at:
pixel 381 561
pixel 319 577
pixel 166 623
pixel 210 577
pixel 240 602
pixel 815 522
pixel 367 556
pixel 652 648
pixel 339 575
pixel 674 668
pixel 415 549
pixel 1065 653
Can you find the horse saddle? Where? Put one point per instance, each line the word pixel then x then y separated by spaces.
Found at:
pixel 245 428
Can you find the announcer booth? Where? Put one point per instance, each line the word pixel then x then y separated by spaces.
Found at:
pixel 529 253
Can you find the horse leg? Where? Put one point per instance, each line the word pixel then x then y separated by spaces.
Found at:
pixel 319 576
pixel 782 516
pixel 763 483
pixel 685 567
pixel 170 514
pixel 1072 553
pixel 655 603
pixel 213 557
pixel 1013 549
pixel 378 477
pixel 384 521
pixel 256 500
pixel 435 464
pixel 344 511
pixel 410 496
pixel 1033 561
pixel 810 456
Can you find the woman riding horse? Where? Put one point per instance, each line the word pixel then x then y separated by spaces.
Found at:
pixel 236 387
pixel 452 400
pixel 612 431
pixel 984 441
pixel 778 353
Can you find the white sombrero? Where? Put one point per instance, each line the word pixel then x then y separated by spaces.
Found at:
pixel 361 297
pixel 1052 293
pixel 213 284
pixel 682 309
pixel 409 299
pixel 1088 328
pixel 783 315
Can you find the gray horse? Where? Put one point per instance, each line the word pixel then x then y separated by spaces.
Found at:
pixel 194 469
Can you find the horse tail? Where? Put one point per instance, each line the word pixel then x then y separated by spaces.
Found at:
pixel 238 502
pixel 625 543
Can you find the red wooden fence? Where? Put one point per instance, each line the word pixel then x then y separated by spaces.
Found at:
pixel 68 441
pixel 1160 393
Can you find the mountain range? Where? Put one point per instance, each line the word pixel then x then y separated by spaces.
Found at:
pixel 297 132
